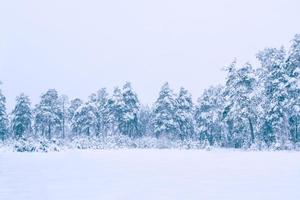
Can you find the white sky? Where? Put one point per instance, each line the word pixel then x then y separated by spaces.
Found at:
pixel 78 47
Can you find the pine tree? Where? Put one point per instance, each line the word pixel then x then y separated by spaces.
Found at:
pixel 116 111
pixel 292 70
pixel 164 123
pixel 208 117
pixel 48 114
pixel 84 119
pixel 144 122
pixel 102 112
pixel 239 112
pixel 64 101
pixel 184 112
pixel 275 127
pixel 3 117
pixel 129 120
pixel 22 116
pixel 74 105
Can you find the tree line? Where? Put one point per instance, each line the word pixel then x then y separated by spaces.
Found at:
pixel 256 106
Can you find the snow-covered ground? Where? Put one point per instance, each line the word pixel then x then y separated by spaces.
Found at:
pixel 150 174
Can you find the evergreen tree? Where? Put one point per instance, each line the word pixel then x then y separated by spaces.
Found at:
pixel 239 112
pixel 129 120
pixel 22 116
pixel 184 112
pixel 48 114
pixel 116 111
pixel 64 101
pixel 74 105
pixel 3 117
pixel 292 68
pixel 144 122
pixel 102 112
pixel 275 127
pixel 164 123
pixel 208 116
pixel 84 119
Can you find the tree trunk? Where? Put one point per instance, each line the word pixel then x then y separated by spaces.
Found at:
pixel 49 131
pixel 296 130
pixel 251 130
pixel 63 121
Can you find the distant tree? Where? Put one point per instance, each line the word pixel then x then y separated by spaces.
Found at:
pixel 274 127
pixel 184 114
pixel 74 105
pixel 84 119
pixel 48 113
pixel 144 123
pixel 3 117
pixel 163 121
pixel 240 109
pixel 129 120
pixel 103 117
pixel 64 101
pixel 257 107
pixel 22 116
pixel 208 117
pixel 292 70
pixel 115 106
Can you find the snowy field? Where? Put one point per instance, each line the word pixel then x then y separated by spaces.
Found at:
pixel 150 174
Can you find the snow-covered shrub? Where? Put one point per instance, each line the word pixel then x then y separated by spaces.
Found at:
pixel 31 144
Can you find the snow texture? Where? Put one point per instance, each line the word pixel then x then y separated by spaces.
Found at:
pixel 149 174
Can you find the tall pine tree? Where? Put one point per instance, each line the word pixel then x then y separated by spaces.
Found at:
pixel 240 113
pixel 274 128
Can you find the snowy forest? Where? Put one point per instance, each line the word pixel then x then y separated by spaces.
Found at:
pixel 258 107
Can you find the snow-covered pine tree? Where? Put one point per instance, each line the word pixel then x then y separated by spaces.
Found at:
pixel 74 105
pixel 208 116
pixel 102 112
pixel 163 120
pixel 22 116
pixel 239 112
pixel 48 114
pixel 64 101
pixel 275 127
pixel 116 109
pixel 184 114
pixel 84 119
pixel 144 122
pixel 292 68
pixel 3 117
pixel 129 120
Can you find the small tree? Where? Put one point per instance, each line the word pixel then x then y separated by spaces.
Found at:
pixel 129 121
pixel 208 117
pixel 184 114
pixel 163 121
pixel 48 114
pixel 21 116
pixel 3 117
pixel 84 120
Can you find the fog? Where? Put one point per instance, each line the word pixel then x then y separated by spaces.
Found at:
pixel 79 47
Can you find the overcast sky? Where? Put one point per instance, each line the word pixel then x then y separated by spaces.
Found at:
pixel 78 47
